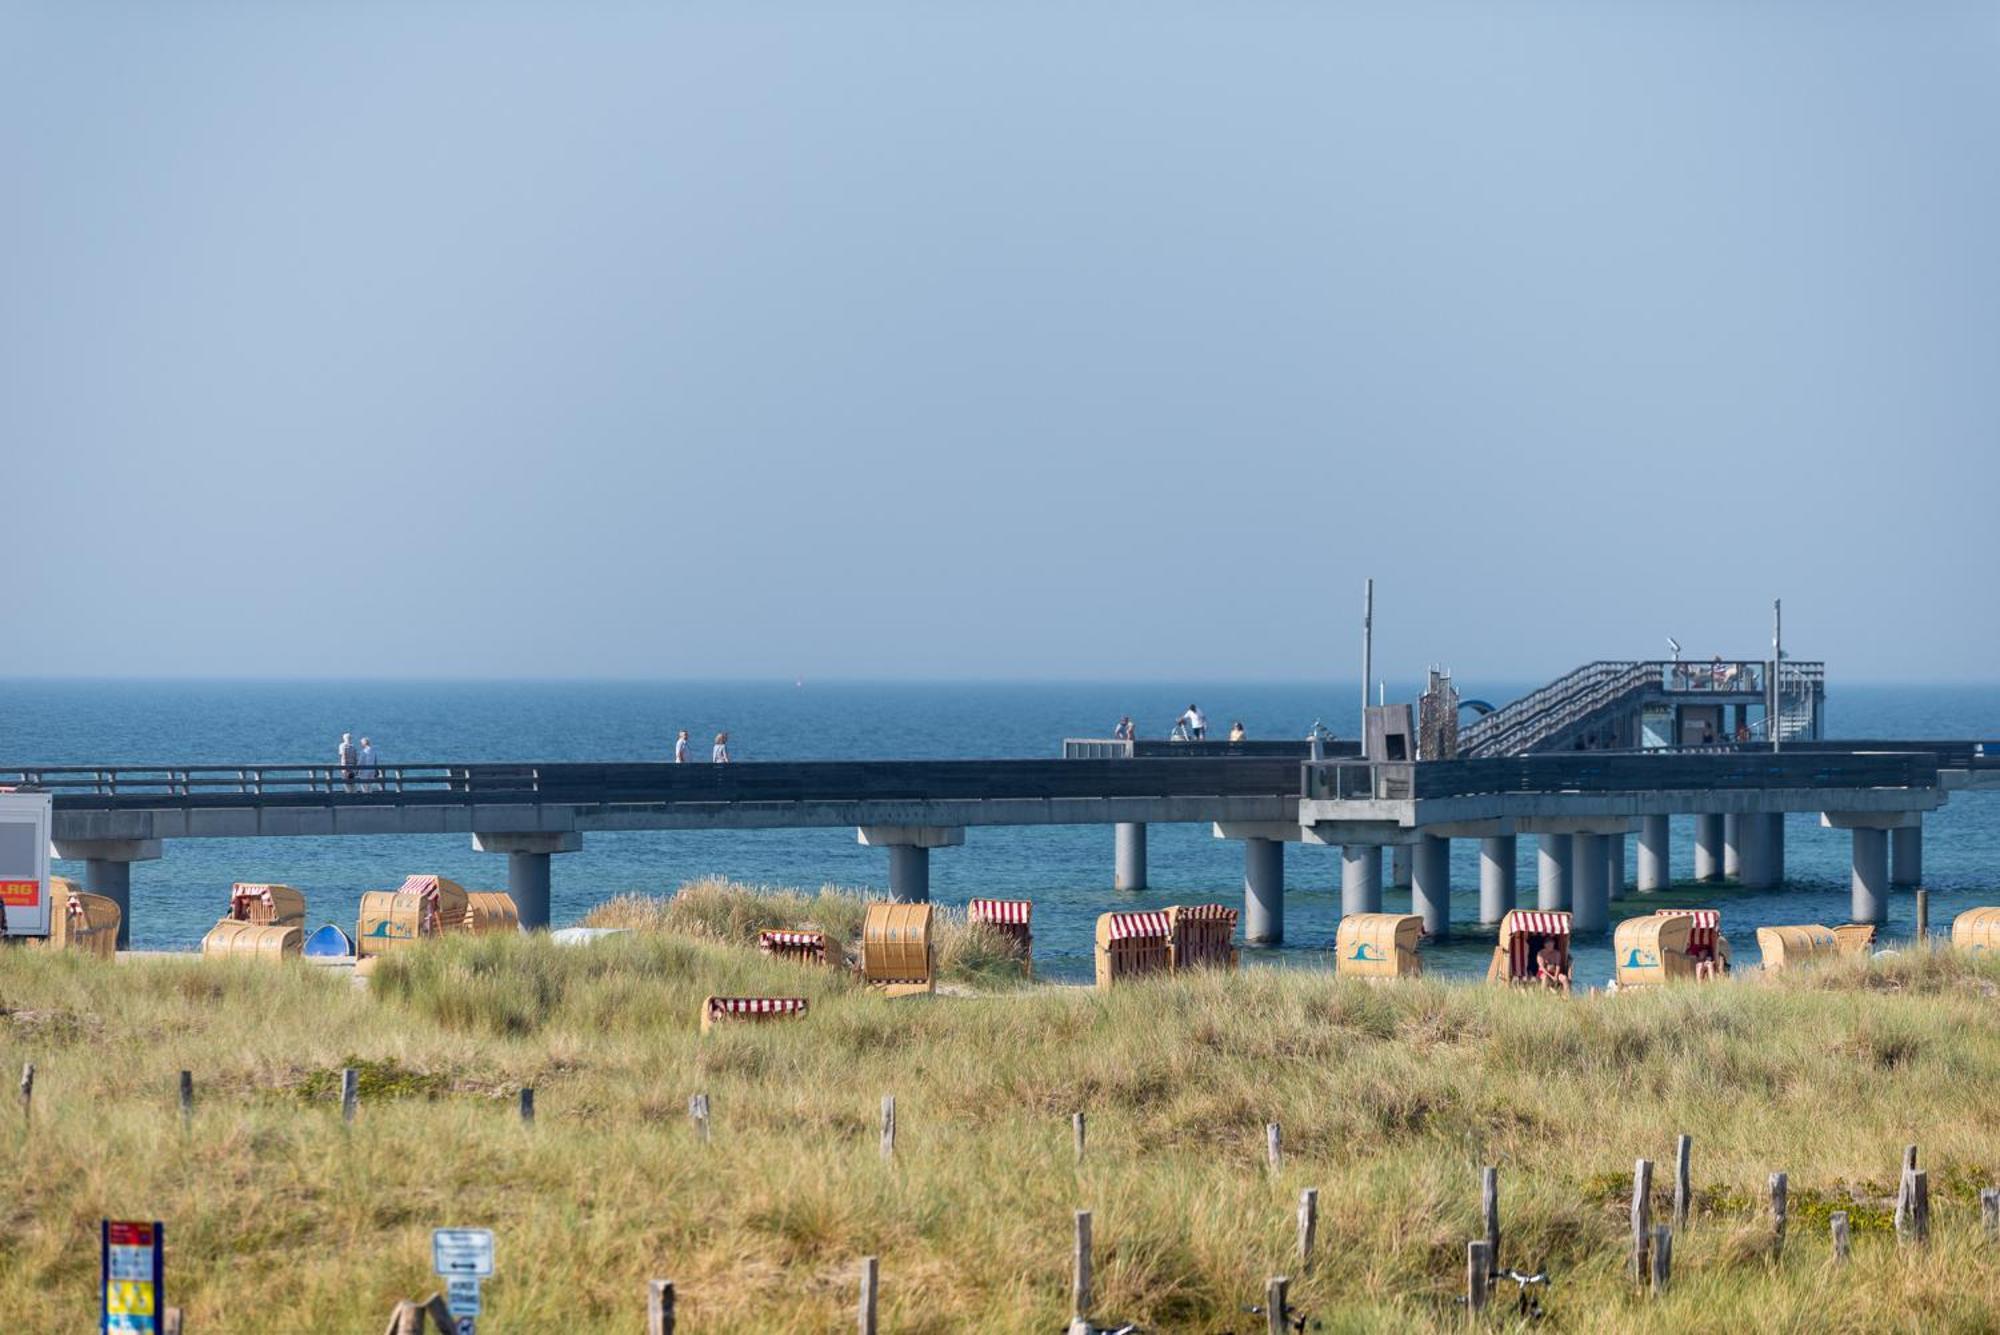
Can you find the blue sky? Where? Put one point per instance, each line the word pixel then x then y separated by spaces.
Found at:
pixel 1005 340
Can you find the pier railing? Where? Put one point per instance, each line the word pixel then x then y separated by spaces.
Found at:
pixel 1610 772
pixel 1160 748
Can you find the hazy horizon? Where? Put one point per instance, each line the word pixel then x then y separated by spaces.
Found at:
pixel 894 342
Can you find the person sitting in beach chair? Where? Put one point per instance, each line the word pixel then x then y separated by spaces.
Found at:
pixel 1704 961
pixel 1549 967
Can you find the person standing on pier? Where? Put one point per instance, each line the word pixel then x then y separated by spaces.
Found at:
pixel 1123 732
pixel 1195 722
pixel 720 755
pixel 681 748
pixel 368 772
pixel 346 757
pixel 1236 733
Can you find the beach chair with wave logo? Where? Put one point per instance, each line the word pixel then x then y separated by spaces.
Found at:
pixel 1378 945
pixel 1785 947
pixel 1976 930
pixel 1669 946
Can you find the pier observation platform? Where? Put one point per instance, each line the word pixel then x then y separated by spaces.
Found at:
pixel 1581 806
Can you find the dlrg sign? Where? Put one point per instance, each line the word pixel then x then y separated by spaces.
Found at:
pixel 133 1288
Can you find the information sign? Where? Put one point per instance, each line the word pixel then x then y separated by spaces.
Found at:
pixel 133 1287
pixel 462 1251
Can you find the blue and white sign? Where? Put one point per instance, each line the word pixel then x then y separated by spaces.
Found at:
pixel 462 1251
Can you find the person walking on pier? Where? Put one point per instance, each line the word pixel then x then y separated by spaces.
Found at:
pixel 368 771
pixel 681 748
pixel 720 755
pixel 1194 722
pixel 346 757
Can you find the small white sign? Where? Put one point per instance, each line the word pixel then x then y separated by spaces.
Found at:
pixel 462 1251
pixel 461 1295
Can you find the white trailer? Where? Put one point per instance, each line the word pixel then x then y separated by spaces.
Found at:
pixel 24 862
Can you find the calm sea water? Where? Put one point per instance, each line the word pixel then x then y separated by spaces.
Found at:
pixel 1065 870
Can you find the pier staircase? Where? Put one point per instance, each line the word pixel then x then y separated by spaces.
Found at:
pixel 1541 717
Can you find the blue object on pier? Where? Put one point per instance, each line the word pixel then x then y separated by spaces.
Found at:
pixel 329 943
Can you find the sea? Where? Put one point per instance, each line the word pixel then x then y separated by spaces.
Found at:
pixel 1065 870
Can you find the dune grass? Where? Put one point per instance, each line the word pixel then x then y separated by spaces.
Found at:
pixel 1390 1097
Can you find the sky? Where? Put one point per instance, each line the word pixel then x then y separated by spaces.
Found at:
pixel 944 340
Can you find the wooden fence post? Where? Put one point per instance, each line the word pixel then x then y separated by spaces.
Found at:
pixel 1663 1259
pixel 870 1277
pixel 698 1110
pixel 1989 1211
pixel 1642 1217
pixel 1778 1210
pixel 1308 1226
pixel 440 1315
pixel 528 1104
pixel 350 1093
pixel 1489 1211
pixel 170 1321
pixel 660 1307
pixel 1478 1270
pixel 1683 1182
pixel 1277 1310
pixel 27 1090
pixel 1273 1152
pixel 1841 1239
pixel 1903 1189
pixel 187 1097
pixel 1920 1207
pixel 888 1126
pixel 1076 1133
pixel 1079 1288
pixel 1923 916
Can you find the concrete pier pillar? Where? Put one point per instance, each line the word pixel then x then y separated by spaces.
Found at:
pixel 1732 847
pixel 1360 879
pixel 909 873
pixel 1590 909
pixel 1430 885
pixel 1552 864
pixel 1399 866
pixel 910 855
pixel 1754 867
pixel 1614 865
pixel 1708 847
pixel 1775 846
pixel 528 869
pixel 1263 892
pixel 1655 866
pixel 1871 876
pixel 1498 857
pixel 107 871
pixel 1129 870
pixel 1906 855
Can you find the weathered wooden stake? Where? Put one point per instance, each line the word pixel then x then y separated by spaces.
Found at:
pixel 406 1319
pixel 1478 1270
pixel 170 1321
pixel 440 1314
pixel 1923 917
pixel 1276 1310
pixel 1841 1237
pixel 1308 1226
pixel 888 1126
pixel 1989 1212
pixel 1663 1259
pixel 1778 1211
pixel 1920 1207
pixel 1273 1152
pixel 350 1093
pixel 698 1110
pixel 1076 1133
pixel 1683 1182
pixel 1642 1216
pixel 27 1090
pixel 1079 1288
pixel 870 1277
pixel 660 1307
pixel 1903 1189
pixel 528 1104
pixel 1489 1210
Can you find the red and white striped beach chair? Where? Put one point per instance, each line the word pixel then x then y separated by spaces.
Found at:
pixel 1130 945
pixel 799 947
pixel 715 1010
pixel 1009 917
pixel 1521 934
pixel 1202 936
